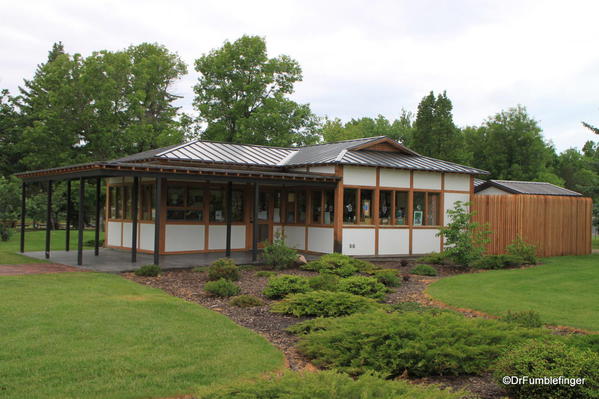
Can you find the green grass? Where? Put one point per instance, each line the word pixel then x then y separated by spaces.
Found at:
pixel 92 335
pixel 563 290
pixel 596 242
pixel 36 241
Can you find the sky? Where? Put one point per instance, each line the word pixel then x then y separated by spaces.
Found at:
pixel 359 58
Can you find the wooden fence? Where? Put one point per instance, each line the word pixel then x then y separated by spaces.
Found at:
pixel 556 225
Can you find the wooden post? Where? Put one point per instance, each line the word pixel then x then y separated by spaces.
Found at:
pixel 338 215
pixel 48 218
pixel 97 232
pixel 134 200
pixel 81 216
pixel 255 222
pixel 23 210
pixel 67 236
pixel 229 201
pixel 157 198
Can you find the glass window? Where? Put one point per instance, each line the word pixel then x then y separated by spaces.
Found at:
pixel 217 205
pixel 329 207
pixel 175 196
pixel 290 207
pixel 237 206
pixel 316 207
pixel 175 214
pixel 432 209
pixel 195 197
pixel 147 202
pixel 128 201
pixel 418 217
pixel 366 207
pixel 277 207
pixel 401 207
pixel 262 206
pixel 112 202
pixel 349 206
pixel 385 207
pixel 194 215
pixel 301 207
pixel 118 202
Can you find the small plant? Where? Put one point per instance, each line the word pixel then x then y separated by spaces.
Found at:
pixel 521 249
pixel 92 242
pixel 245 301
pixel 284 284
pixel 365 266
pixel 436 258
pixel 223 268
pixel 388 277
pixel 324 282
pixel 265 273
pixel 369 287
pixel 424 270
pixel 528 318
pixel 581 341
pixel 324 303
pixel 404 262
pixel 540 359
pixel 278 255
pixel 491 262
pixel 148 271
pixel 335 263
pixel 222 288
pixel 5 232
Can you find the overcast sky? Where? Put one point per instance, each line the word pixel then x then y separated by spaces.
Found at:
pixel 359 58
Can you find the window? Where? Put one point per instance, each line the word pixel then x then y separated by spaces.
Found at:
pixel 316 207
pixel 185 203
pixel 385 207
pixel 218 208
pixel 237 210
pixel 115 200
pixel 290 207
pixel 128 201
pixel 301 207
pixel 277 216
pixel 175 196
pixel 147 209
pixel 366 212
pixel 349 205
pixel 329 207
pixel 401 208
pixel 426 209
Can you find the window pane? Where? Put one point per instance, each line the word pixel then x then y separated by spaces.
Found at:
pixel 195 197
pixel 194 216
pixel 290 208
pixel 118 202
pixel 349 206
pixel 175 196
pixel 385 207
pixel 401 207
pixel 301 207
pixel 112 200
pixel 237 206
pixel 277 207
pixel 175 214
pixel 262 206
pixel 432 210
pixel 329 207
pixel 217 206
pixel 127 195
pixel 418 208
pixel 365 206
pixel 147 202
pixel 316 206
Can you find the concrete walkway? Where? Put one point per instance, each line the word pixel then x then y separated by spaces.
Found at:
pixel 118 261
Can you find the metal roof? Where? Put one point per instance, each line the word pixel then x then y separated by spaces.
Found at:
pixel 478 182
pixel 527 187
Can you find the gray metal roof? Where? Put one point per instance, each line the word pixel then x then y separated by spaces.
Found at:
pixel 478 182
pixel 527 187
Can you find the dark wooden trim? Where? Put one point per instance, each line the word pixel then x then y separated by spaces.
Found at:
pixel 134 216
pixel 255 222
pixel 67 237
pixel 411 208
pixel 158 207
pixel 338 216
pixel 23 211
pixel 81 221
pixel 48 218
pixel 442 209
pixel 228 217
pixel 97 230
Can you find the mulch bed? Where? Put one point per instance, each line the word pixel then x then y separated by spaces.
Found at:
pixel 36 268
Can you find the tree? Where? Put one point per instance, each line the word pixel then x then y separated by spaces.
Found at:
pixel 435 135
pixel 10 134
pixel 398 129
pixel 242 96
pixel 591 127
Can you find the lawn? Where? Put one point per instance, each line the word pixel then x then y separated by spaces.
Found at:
pixel 563 290
pixel 92 335
pixel 596 242
pixel 36 241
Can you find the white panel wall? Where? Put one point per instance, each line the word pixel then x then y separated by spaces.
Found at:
pixel 359 175
pixel 358 241
pixel 184 237
pixel 427 180
pixel 450 199
pixel 454 181
pixel 127 234
pixel 322 169
pixel 424 241
pixel 320 239
pixel 295 237
pixel 492 191
pixel 217 237
pixel 113 235
pixel 146 236
pixel 395 178
pixel 394 241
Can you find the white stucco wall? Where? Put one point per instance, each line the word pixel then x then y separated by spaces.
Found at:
pixel 454 181
pixel 424 241
pixel 295 237
pixel 320 239
pixel 359 176
pixel 113 234
pixel 427 180
pixel 450 200
pixel 146 236
pixel 127 234
pixel 217 236
pixel 322 169
pixel 358 241
pixel 492 191
pixel 395 178
pixel 394 241
pixel 183 237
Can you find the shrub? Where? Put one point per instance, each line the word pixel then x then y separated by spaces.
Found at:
pixel 521 249
pixel 92 242
pixel 590 341
pixel 278 287
pixel 388 277
pixel 364 266
pixel 278 255
pixel 200 269
pixel 223 268
pixel 324 303
pixel 148 271
pixel 404 262
pixel 436 258
pixel 339 264
pixel 245 301
pixel 324 385
pixel 264 273
pixel 364 286
pixel 5 232
pixel 222 288
pixel 411 307
pixel 550 359
pixel 424 270
pixel 422 344
pixel 497 262
pixel 528 318
pixel 324 282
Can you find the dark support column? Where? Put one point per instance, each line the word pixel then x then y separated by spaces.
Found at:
pixel 135 199
pixel 48 218
pixel 255 223
pixel 97 232
pixel 80 221
pixel 157 196
pixel 67 228
pixel 23 210
pixel 229 216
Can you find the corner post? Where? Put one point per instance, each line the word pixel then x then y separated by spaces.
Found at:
pixel 97 232
pixel 134 200
pixel 157 198
pixel 229 217
pixel 23 210
pixel 80 221
pixel 48 218
pixel 67 228
pixel 255 222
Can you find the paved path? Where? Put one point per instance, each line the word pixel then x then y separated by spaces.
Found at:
pixel 36 268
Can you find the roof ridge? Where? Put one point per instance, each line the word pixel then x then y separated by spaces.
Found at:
pixel 527 182
pixel 241 144
pixel 343 141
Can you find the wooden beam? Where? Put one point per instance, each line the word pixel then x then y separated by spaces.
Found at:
pixel 134 201
pixel 338 216
pixel 255 223
pixel 97 230
pixel 48 218
pixel 228 215
pixel 67 237
pixel 80 222
pixel 23 211
pixel 157 201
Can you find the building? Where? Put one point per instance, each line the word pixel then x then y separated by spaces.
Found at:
pixel 503 187
pixel 367 197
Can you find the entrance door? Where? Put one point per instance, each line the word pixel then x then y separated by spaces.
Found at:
pixel 264 218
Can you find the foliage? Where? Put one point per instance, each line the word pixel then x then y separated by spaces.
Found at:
pixel 497 262
pixel 369 287
pixel 436 258
pixel 265 273
pixel 149 271
pixel 223 268
pixel 538 359
pixel 10 136
pixel 243 96
pixel 388 277
pixel 324 282
pixel 325 385
pixel 581 341
pixel 5 232
pixel 521 249
pixel 527 318
pixel 422 344
pixel 278 255
pixel 336 263
pixel 222 288
pixel 323 303
pixel 399 129
pixel 411 307
pixel 364 266
pixel 10 199
pixel 92 242
pixel 424 270
pixel 279 286
pixel 245 301
pixel 464 239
